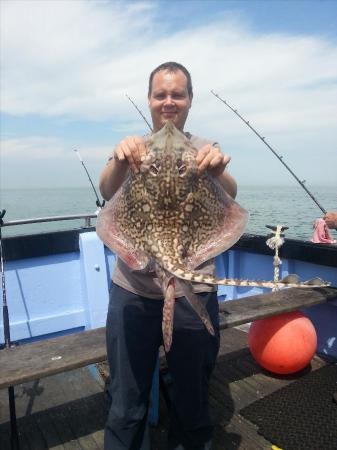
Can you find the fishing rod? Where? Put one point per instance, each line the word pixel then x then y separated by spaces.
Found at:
pixel 134 104
pixel 99 204
pixel 7 336
pixel 280 158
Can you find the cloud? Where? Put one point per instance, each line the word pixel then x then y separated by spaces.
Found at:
pixel 55 51
pixel 77 59
pixel 48 161
pixel 30 148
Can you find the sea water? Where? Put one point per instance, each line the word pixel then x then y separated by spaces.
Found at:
pixel 267 205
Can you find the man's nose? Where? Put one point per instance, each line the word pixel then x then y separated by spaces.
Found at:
pixel 168 100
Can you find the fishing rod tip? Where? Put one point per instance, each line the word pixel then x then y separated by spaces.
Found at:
pixel 78 154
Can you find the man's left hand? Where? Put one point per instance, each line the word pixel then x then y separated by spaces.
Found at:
pixel 211 159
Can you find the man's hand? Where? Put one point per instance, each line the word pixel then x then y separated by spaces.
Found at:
pixel 127 154
pixel 131 150
pixel 331 219
pixel 211 159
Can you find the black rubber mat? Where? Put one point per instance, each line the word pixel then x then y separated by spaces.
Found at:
pixel 302 415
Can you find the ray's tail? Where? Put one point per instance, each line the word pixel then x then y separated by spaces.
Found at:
pixel 289 281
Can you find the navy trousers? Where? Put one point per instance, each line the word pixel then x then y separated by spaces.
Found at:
pixel 133 339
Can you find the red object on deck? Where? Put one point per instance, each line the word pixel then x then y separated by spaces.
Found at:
pixel 283 344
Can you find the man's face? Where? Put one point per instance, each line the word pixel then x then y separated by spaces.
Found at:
pixel 169 99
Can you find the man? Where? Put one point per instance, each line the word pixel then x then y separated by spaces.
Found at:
pixel 136 301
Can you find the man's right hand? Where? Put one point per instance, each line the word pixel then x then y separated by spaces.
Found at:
pixel 127 154
pixel 131 150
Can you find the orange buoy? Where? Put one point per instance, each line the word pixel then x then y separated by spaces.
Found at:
pixel 283 344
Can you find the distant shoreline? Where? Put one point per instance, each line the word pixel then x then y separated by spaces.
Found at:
pixel 274 186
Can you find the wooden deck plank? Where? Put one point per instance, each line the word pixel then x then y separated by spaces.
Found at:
pixel 49 432
pixel 248 438
pixel 33 435
pixel 52 356
pixel 237 312
pixel 5 436
pixel 49 357
pixel 67 411
pixel 230 432
pixel 98 437
pixel 64 431
pixel 80 428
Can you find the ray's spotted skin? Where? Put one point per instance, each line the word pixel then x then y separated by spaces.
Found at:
pixel 169 217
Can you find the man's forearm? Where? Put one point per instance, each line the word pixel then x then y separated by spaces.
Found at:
pixel 112 177
pixel 228 183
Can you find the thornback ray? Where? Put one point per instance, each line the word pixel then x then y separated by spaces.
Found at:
pixel 169 218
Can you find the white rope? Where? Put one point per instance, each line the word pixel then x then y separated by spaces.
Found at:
pixel 275 242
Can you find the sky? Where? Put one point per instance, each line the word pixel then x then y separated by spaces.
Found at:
pixel 67 65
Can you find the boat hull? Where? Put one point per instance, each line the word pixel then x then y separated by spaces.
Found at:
pixel 58 283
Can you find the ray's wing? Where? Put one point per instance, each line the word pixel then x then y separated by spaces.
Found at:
pixel 217 223
pixel 112 231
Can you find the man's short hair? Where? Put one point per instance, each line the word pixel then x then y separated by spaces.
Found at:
pixel 172 67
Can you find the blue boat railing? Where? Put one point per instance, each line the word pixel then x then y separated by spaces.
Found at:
pixel 87 220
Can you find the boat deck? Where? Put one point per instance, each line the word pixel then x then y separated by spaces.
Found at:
pixel 67 411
